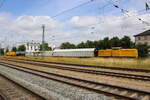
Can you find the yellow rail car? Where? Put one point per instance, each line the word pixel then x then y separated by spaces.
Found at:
pixel 115 53
pixel 129 53
pixel 104 53
pixel 10 53
pixel 118 53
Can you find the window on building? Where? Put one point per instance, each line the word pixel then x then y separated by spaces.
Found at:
pixel 139 38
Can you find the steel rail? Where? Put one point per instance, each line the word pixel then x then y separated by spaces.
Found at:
pixel 124 92
pixel 91 66
pixel 20 85
pixel 90 71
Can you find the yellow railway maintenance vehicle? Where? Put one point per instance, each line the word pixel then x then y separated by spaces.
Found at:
pixel 10 53
pixel 118 52
pixel 105 53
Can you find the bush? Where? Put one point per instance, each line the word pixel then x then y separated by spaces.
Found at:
pixel 143 49
pixel 21 48
pixel 1 52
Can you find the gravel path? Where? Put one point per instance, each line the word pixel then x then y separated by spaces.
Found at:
pixel 55 89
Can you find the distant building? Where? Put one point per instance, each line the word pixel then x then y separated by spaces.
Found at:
pixel 143 38
pixel 32 47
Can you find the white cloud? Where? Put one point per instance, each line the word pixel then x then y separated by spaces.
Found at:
pixel 111 25
pixel 83 21
pixel 32 24
pixel 75 30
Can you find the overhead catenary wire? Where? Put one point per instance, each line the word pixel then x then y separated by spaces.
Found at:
pixel 74 37
pixel 85 3
pixel 122 10
pixel 65 11
pixel 106 5
pixel 99 22
pixel 126 12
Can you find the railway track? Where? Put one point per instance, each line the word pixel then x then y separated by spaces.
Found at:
pixel 120 92
pixel 91 66
pixel 90 71
pixel 11 90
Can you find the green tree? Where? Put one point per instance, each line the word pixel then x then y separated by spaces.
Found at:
pixel 45 47
pixel 68 45
pixel 81 45
pixel 143 50
pixel 7 50
pixel 89 44
pixel 115 42
pixel 100 44
pixel 95 44
pixel 104 44
pixel 21 48
pixel 1 51
pixel 14 49
pixel 126 42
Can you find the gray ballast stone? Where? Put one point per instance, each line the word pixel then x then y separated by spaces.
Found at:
pixel 50 88
pixel 49 95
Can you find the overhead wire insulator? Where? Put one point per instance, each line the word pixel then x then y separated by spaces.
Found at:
pixel 116 6
pixel 144 22
pixel 139 19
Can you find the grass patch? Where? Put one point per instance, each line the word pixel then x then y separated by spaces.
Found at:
pixel 115 62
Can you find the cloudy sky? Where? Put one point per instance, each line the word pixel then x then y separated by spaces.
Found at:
pixel 21 20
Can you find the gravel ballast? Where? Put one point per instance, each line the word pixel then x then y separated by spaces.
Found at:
pixel 58 91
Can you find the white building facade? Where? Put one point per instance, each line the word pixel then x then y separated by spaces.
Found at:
pixel 32 47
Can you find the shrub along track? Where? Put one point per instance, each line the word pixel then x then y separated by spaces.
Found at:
pixel 11 90
pixel 83 70
pixel 120 92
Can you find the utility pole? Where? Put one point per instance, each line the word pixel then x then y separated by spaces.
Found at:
pixel 43 36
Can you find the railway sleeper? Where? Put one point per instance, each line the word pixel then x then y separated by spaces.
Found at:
pixel 139 77
pixel 75 83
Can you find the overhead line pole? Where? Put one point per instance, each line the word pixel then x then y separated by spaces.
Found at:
pixel 43 37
